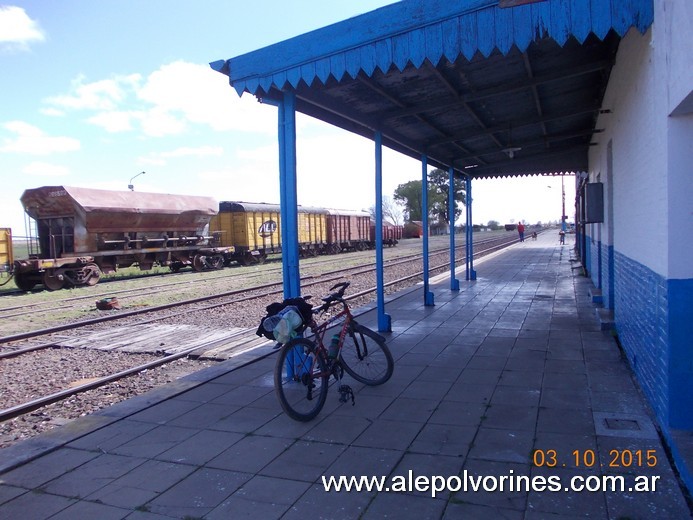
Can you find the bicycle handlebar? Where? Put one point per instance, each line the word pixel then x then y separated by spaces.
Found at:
pixel 334 297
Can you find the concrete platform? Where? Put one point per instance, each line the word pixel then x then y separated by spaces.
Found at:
pixel 508 384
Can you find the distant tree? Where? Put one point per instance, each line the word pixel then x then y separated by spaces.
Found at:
pixel 391 211
pixel 493 225
pixel 439 185
pixel 409 195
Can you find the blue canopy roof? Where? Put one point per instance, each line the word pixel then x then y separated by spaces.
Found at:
pixel 489 87
pixel 416 30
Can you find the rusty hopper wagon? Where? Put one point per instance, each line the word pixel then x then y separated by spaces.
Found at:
pixel 82 233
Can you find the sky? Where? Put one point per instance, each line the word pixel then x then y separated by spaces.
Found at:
pixel 94 93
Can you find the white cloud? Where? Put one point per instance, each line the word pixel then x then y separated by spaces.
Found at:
pixel 158 122
pixel 113 121
pixel 200 151
pixel 32 140
pixel 105 94
pixel 41 169
pixel 167 102
pixel 52 112
pixel 17 30
pixel 201 95
pixel 160 158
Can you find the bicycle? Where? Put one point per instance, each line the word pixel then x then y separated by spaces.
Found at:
pixel 305 365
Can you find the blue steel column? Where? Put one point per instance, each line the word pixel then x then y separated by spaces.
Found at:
pixel 454 282
pixel 470 272
pixel 287 195
pixel 428 296
pixel 384 320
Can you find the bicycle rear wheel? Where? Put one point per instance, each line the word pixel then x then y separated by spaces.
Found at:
pixel 301 379
pixel 365 356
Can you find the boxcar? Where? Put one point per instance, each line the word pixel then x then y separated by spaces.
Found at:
pixel 82 233
pixel 348 230
pixel 254 230
pixel 392 234
pixel 6 256
pixel 413 229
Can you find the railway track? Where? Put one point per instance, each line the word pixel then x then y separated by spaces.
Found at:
pixel 73 308
pixel 361 279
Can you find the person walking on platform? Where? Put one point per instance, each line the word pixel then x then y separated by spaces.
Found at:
pixel 521 231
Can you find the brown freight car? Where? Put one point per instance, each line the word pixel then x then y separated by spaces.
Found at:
pixel 348 230
pixel 83 232
pixel 392 234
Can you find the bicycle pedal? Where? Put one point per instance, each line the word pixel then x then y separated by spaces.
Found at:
pixel 344 392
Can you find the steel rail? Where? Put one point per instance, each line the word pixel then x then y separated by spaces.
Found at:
pixel 192 301
pixel 30 406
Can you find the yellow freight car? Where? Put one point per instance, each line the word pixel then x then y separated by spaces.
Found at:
pixel 6 256
pixel 254 230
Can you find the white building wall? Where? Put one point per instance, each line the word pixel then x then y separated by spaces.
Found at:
pixel 674 53
pixel 637 128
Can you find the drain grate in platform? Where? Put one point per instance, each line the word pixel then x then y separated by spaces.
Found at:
pixel 624 425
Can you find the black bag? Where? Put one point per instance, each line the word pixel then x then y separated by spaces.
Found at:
pixel 304 309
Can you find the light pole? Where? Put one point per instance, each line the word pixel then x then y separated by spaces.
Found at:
pixel 563 216
pixel 131 186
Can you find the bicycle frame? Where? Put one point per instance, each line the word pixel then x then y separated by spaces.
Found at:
pixel 320 330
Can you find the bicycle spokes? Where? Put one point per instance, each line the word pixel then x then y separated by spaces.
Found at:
pixel 301 379
pixel 361 346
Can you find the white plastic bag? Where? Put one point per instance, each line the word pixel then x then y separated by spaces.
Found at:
pixel 290 320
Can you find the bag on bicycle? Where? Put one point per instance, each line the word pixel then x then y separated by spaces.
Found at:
pixel 305 310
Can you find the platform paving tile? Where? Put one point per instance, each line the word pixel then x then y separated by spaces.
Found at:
pixel 304 460
pixel 250 454
pixel 141 485
pixel 198 494
pixel 46 468
pixel 402 505
pixel 35 505
pixel 383 433
pixel 155 441
pixel 200 447
pixel 86 509
pixel 502 445
pixel 92 476
pixel 486 382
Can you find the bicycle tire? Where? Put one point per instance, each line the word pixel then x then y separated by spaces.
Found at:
pixel 366 357
pixel 297 397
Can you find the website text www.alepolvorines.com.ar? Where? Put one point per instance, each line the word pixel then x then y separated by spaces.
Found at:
pixel 468 482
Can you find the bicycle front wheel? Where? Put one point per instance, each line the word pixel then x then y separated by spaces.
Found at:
pixel 365 356
pixel 301 379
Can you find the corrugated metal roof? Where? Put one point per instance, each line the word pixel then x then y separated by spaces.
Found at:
pixel 412 31
pixel 488 90
pixel 55 201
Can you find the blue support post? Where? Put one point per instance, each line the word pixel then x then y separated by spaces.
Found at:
pixel 384 320
pixel 288 197
pixel 454 282
pixel 470 272
pixel 428 295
